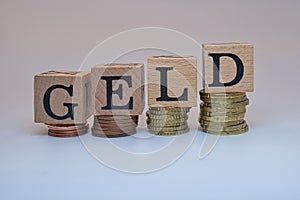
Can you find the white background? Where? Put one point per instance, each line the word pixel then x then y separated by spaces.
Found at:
pixel 36 36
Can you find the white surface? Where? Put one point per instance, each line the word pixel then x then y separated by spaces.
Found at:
pixel 262 164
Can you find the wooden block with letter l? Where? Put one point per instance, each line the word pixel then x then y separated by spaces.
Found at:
pixel 172 81
pixel 62 97
pixel 228 67
pixel 118 89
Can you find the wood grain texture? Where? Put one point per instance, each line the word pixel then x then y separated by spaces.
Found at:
pixel 136 91
pixel 79 80
pixel 183 75
pixel 228 67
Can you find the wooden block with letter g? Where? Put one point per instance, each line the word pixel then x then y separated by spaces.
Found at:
pixel 228 67
pixel 62 97
pixel 172 81
pixel 118 89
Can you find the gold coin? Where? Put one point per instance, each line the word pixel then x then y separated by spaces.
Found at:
pixel 235 132
pixel 241 108
pixel 214 114
pixel 222 118
pixel 176 120
pixel 223 128
pixel 173 109
pixel 164 112
pixel 165 124
pixel 222 95
pixel 153 116
pixel 218 124
pixel 160 123
pixel 167 129
pixel 224 100
pixel 171 133
pixel 227 105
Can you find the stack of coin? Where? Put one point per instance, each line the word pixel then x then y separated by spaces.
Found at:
pixel 67 130
pixel 167 120
pixel 223 113
pixel 114 125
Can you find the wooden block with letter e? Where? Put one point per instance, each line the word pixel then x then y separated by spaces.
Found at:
pixel 118 89
pixel 62 97
pixel 228 67
pixel 172 81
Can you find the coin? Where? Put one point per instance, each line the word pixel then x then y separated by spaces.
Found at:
pixel 167 120
pixel 111 134
pixel 168 129
pixel 169 133
pixel 226 105
pixel 214 114
pixel 114 126
pixel 222 95
pixel 223 128
pixel 223 113
pixel 164 112
pixel 241 108
pixel 224 100
pixel 234 132
pixel 50 133
pixel 172 109
pixel 222 118
pixel 220 124
pixel 116 117
pixel 165 123
pixel 67 130
pixel 179 116
pixel 116 130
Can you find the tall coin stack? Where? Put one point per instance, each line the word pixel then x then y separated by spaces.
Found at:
pixel 114 125
pixel 223 113
pixel 167 121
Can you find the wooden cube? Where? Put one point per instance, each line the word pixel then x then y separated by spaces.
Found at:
pixel 228 68
pixel 118 89
pixel 172 81
pixel 62 97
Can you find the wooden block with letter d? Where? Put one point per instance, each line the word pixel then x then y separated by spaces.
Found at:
pixel 172 81
pixel 118 89
pixel 62 97
pixel 228 68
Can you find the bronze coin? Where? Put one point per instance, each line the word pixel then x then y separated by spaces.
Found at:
pixel 116 122
pixel 111 134
pixel 116 117
pixel 116 129
pixel 67 130
pixel 115 125
pixel 70 134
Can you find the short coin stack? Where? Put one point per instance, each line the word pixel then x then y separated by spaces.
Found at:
pixel 67 130
pixel 167 120
pixel 114 125
pixel 223 113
